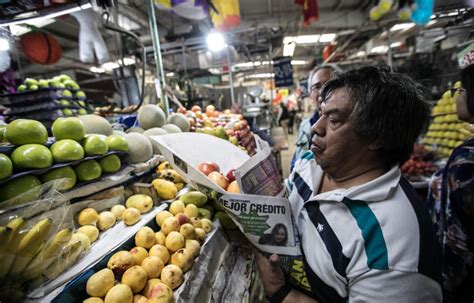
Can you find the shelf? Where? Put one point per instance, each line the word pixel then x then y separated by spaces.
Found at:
pixel 45 12
pixel 108 241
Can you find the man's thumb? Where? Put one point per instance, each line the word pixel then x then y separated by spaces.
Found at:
pixel 274 261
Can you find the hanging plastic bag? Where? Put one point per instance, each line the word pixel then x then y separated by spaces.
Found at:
pixel 225 14
pixel 422 11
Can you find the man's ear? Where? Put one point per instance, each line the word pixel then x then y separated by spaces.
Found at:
pixel 375 145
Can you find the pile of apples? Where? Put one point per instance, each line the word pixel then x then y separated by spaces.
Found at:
pixel 419 163
pixel 227 182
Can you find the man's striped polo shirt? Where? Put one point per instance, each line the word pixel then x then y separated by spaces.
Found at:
pixel 368 243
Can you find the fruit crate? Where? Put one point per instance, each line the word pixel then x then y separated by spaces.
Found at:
pixel 41 95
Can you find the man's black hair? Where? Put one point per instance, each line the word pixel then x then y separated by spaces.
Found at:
pixel 389 108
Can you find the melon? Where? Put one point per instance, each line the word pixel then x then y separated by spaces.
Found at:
pixel 139 147
pixel 150 116
pixel 26 131
pixel 135 130
pixel 96 125
pixel 27 186
pixel 156 131
pixel 179 120
pixel 171 128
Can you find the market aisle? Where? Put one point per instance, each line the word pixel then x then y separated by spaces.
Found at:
pixel 287 154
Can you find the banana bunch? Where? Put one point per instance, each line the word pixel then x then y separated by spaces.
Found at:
pixel 166 172
pixel 29 254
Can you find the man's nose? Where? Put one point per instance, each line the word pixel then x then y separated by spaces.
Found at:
pixel 319 127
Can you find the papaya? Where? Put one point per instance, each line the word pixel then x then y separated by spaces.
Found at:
pixel 170 175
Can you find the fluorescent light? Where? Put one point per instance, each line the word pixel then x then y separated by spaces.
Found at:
pixel 302 39
pixel 360 54
pixel 379 49
pixel 289 49
pixel 34 17
pixel 402 26
pixel 433 17
pixel 258 76
pixel 4 44
pixel 327 38
pixel 215 41
pixel 298 62
pixel 97 70
pixel 395 44
pixel 170 74
pixel 453 14
pixel 21 29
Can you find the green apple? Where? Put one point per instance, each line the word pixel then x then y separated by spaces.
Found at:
pixel 233 140
pixel 110 163
pixel 221 133
pixel 28 186
pixel 68 128
pixel 64 102
pixel 64 77
pixel 67 112
pixel 66 173
pixel 22 88
pixel 208 130
pixel 33 87
pixel 82 103
pixel 32 156
pixel 6 167
pixel 71 84
pixel 43 83
pixel 53 83
pixel 88 170
pixel 116 142
pixel 67 150
pixel 80 94
pixel 67 93
pixel 30 81
pixel 2 132
pixel 25 131
pixel 95 145
pixel 82 112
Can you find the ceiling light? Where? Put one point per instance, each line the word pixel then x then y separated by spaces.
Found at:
pixel 453 14
pixel 97 70
pixel 4 44
pixel 289 49
pixel 215 41
pixel 303 39
pixel 298 62
pixel 325 38
pixel 395 44
pixel 360 54
pixel 258 76
pixel 402 26
pixel 379 49
pixel 432 22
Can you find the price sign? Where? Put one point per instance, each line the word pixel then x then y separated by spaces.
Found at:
pixel 283 71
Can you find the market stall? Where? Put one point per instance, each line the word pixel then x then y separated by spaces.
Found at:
pixel 134 135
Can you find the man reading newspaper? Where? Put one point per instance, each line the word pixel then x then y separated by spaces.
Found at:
pixel 365 234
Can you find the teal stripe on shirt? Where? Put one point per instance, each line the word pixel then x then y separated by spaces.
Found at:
pixel 308 155
pixel 375 247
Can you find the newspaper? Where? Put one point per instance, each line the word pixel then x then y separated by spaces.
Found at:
pixel 261 211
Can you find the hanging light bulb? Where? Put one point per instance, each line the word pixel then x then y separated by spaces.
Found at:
pixel 215 41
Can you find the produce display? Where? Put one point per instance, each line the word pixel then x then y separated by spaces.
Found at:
pixel 419 164
pixel 225 125
pixel 75 155
pixel 47 99
pixel 446 131
pixel 156 265
pixel 227 182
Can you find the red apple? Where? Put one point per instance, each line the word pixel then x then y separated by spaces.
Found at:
pixel 231 175
pixel 196 108
pixel 182 110
pixel 208 167
pixel 219 179
pixel 182 218
pixel 233 187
